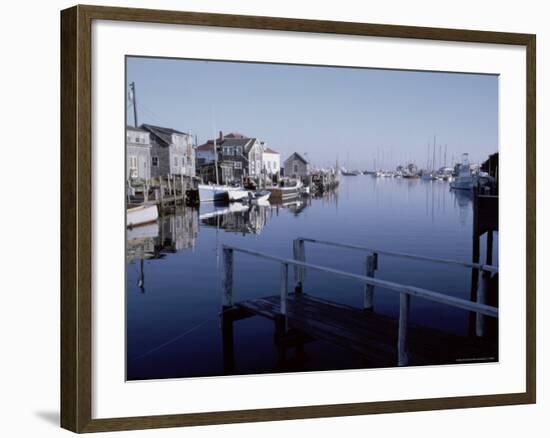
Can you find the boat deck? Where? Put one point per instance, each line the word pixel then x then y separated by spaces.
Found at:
pixel 371 335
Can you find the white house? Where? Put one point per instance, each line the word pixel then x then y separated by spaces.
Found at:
pixel 271 160
pixel 138 153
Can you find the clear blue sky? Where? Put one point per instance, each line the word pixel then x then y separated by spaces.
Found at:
pixel 355 115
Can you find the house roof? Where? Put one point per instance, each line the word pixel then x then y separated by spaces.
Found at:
pixel 235 135
pixel 246 143
pixel 131 128
pixel 164 134
pixel 271 151
pixel 207 147
pixel 299 156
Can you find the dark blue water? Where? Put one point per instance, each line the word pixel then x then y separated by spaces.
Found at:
pixel 173 328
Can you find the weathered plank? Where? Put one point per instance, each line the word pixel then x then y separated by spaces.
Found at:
pixel 372 335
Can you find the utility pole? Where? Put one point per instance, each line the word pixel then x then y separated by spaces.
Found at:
pixel 134 102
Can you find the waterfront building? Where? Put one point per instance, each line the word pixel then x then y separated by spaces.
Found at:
pixel 172 152
pixel 138 154
pixel 296 166
pixel 238 156
pixel 271 161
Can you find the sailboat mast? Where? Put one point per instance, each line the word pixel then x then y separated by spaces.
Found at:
pixel 433 157
pixel 216 161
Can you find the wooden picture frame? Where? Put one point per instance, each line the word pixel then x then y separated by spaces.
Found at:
pixel 76 217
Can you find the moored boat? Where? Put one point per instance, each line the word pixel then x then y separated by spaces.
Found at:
pixel 286 191
pixel 142 214
pixel 259 198
pixel 216 192
pixel 464 180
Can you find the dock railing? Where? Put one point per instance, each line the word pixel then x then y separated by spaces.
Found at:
pixel 484 271
pixel 405 291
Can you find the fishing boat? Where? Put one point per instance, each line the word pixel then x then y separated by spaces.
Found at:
pixel 221 193
pixel 288 189
pixel 464 180
pixel 142 214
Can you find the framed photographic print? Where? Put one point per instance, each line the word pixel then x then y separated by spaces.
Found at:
pixel 269 218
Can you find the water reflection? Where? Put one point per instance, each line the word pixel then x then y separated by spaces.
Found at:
pixel 176 261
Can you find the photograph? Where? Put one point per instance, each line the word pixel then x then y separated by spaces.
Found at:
pixel 293 218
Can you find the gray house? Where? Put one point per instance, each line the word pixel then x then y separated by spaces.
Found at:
pixel 296 166
pixel 138 154
pixel 244 153
pixel 172 152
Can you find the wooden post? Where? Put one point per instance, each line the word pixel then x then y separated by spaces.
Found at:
pixel 299 251
pixel 489 252
pixel 475 259
pixel 169 188
pixel 481 299
pixel 404 306
pixel 182 191
pixel 161 194
pixel 371 265
pixel 284 287
pixel 146 191
pixel 227 343
pixel 227 298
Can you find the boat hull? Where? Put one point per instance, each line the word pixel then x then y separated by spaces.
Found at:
pixel 144 214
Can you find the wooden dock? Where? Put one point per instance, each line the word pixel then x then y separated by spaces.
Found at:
pixel 379 339
pixel 371 335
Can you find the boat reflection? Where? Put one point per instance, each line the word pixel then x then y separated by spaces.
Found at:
pixel 235 217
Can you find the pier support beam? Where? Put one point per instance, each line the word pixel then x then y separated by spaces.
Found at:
pixel 371 266
pixel 404 308
pixel 284 293
pixel 481 299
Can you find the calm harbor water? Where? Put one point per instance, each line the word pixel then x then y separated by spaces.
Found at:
pixel 174 271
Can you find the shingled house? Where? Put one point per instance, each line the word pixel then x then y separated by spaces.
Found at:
pixel 172 151
pixel 296 166
pixel 236 151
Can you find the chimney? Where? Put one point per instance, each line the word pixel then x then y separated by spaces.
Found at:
pixel 221 136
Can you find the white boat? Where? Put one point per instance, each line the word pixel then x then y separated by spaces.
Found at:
pixel 237 194
pixel 259 198
pixel 142 214
pixel 217 192
pixel 284 193
pixel 464 180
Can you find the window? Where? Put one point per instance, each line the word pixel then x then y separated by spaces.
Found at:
pixel 175 161
pixel 295 168
pixel 274 165
pixel 238 165
pixel 155 161
pixel 133 166
pixel 238 150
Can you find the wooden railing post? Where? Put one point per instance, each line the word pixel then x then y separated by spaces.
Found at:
pixel 483 285
pixel 284 287
pixel 402 354
pixel 227 298
pixel 299 252
pixel 371 266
